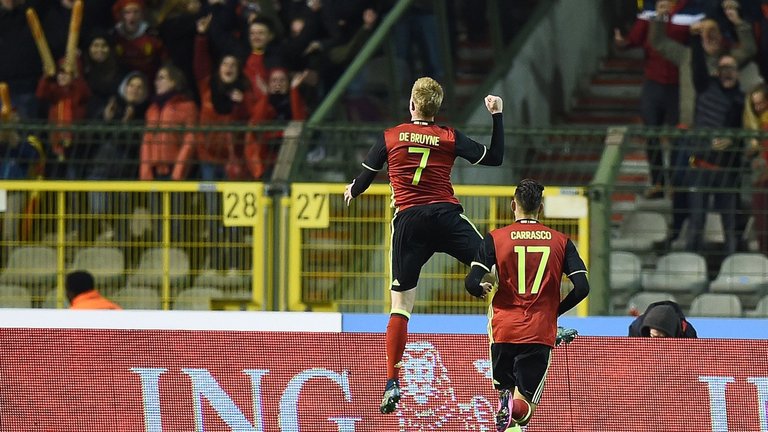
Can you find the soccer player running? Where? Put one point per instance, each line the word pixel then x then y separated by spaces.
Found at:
pixel 530 259
pixel 428 217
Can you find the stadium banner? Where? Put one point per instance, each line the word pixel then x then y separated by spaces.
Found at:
pixel 178 380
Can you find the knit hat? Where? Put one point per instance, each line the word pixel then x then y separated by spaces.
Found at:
pixel 117 8
pixel 664 318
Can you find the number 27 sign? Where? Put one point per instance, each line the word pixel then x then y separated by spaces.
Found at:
pixel 309 205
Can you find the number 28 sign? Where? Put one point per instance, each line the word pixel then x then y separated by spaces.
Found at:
pixel 241 203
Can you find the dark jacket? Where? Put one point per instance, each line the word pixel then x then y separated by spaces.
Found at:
pixel 666 316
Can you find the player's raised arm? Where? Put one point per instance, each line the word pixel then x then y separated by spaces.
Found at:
pixel 477 153
pixel 495 154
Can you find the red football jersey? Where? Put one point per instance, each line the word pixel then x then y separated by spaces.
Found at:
pixel 420 156
pixel 530 259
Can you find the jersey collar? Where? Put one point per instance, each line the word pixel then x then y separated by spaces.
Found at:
pixel 422 122
pixel 526 220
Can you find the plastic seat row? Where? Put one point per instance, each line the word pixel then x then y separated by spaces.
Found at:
pixel 640 232
pixel 684 274
pixel 36 266
pixel 195 298
pixel 703 305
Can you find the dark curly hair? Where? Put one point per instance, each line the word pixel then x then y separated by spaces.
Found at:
pixel 528 195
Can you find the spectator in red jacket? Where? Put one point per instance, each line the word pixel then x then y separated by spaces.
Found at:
pixel 283 103
pixel 67 95
pixel 659 100
pixel 225 97
pixel 136 46
pixel 264 55
pixel 166 154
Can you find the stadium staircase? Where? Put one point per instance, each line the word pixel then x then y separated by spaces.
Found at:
pixel 611 97
pixel 473 61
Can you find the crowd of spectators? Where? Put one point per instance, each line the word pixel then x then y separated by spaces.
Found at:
pixel 177 63
pixel 704 68
pixel 156 73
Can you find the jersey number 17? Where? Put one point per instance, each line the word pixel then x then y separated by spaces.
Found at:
pixel 523 253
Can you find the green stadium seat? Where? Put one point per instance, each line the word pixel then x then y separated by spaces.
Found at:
pixel 33 267
pixel 138 298
pixel 625 268
pixel 743 274
pixel 639 302
pixel 150 270
pixel 106 264
pixel 683 274
pixel 14 296
pixel 716 305
pixel 196 298
pixel 640 232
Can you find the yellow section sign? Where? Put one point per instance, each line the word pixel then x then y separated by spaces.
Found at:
pixel 309 206
pixel 241 203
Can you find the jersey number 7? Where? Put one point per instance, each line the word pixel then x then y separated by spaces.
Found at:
pixel 422 163
pixel 522 255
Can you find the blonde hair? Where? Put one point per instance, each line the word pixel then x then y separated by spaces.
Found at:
pixel 427 96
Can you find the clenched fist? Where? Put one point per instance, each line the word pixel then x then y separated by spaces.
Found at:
pixel 494 104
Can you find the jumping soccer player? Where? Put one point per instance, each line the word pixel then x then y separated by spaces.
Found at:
pixel 530 259
pixel 428 217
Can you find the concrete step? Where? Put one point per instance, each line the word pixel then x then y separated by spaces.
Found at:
pixel 625 64
pixel 590 102
pixel 613 89
pixel 602 118
pixel 474 51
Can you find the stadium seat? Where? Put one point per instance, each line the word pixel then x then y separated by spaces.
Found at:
pixel 761 311
pixel 639 302
pixel 33 267
pixel 227 282
pixel 106 264
pixel 624 277
pixel 14 296
pixel 716 305
pixel 50 301
pixel 150 270
pixel 683 274
pixel 196 298
pixel 138 298
pixel 713 232
pixel 640 232
pixel 743 274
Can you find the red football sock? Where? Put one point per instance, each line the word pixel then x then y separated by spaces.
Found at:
pixel 521 411
pixel 397 335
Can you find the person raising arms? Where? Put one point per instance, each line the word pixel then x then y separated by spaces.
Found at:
pixel 428 217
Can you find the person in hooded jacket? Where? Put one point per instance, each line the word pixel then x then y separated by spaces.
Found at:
pixel 662 319
pixel 115 152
